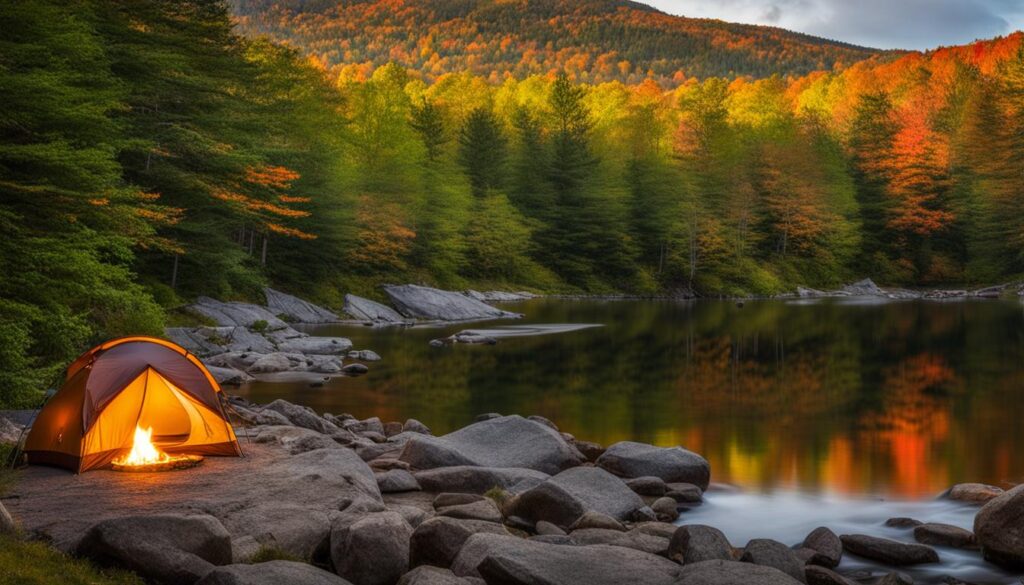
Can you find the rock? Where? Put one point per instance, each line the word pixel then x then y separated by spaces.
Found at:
pixel 863 288
pixel 546 528
pixel 486 416
pixel 271 573
pixel 889 552
pixel 235 314
pixel 468 337
pixel 427 575
pixel 355 369
pixel 896 579
pixel 647 486
pixel 422 302
pixel 367 310
pixel 296 310
pixel 392 428
pixel 589 449
pixel 508 441
pixel 297 530
pixel 444 500
pixel 597 521
pixel 973 492
pixel 515 561
pixel 818 575
pixel 684 493
pixel 663 529
pixel 296 439
pixel 367 355
pixel 191 339
pixel 325 364
pixel 565 497
pixel 303 416
pixel 414 426
pixel 497 296
pixel 372 424
pixel 316 345
pixel 484 509
pixel 373 550
pixel 770 553
pixel 396 481
pixel 239 360
pixel 695 543
pixel 270 363
pixel 477 480
pixel 237 339
pixel 164 548
pixel 649 543
pixel 543 421
pixel 902 522
pixel 828 549
pixel 666 509
pixel 999 528
pixel 438 540
pixel 674 464
pixel 720 572
pixel 944 535
pixel 229 376
pixel 413 515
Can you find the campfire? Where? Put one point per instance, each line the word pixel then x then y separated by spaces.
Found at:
pixel 145 456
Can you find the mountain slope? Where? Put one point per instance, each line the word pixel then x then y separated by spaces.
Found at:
pixel 596 40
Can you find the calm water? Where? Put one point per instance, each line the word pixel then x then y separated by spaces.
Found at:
pixel 836 412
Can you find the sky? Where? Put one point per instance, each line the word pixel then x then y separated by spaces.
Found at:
pixel 884 24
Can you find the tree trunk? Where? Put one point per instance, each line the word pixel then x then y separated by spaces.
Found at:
pixel 263 253
pixel 174 273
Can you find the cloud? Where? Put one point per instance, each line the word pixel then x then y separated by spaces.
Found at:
pixel 887 24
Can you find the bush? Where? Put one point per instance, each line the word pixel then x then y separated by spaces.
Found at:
pixel 260 326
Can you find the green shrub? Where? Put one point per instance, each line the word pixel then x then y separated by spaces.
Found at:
pixel 260 326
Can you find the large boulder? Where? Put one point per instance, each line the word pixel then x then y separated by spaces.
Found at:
pixel 477 480
pixel 296 310
pixel 771 553
pixel 235 314
pixel 565 497
pixel 229 376
pixel 300 531
pixel 305 417
pixel 695 543
pixel 238 339
pixel 438 540
pixel 671 464
pixel 367 310
pixel 863 288
pixel 316 345
pixel 889 552
pixel 515 561
pixel 427 575
pixel 508 441
pixel 732 573
pixel 271 573
pixel 193 340
pixel 937 534
pixel 164 548
pixel 978 493
pixel 373 550
pixel 999 528
pixel 827 549
pixel 421 302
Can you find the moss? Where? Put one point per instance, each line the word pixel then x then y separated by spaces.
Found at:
pixel 34 563
pixel 260 326
pixel 270 553
pixel 497 494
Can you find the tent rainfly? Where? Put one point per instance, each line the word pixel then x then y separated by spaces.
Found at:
pixel 124 384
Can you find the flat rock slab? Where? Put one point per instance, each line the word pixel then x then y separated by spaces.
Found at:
pixel 295 309
pixel 63 506
pixel 421 302
pixel 235 314
pixel 367 310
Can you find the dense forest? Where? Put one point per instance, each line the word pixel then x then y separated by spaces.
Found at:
pixel 149 153
pixel 593 41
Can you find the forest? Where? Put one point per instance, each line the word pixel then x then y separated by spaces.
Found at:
pixel 150 153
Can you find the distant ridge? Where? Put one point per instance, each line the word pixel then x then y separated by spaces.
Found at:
pixel 595 40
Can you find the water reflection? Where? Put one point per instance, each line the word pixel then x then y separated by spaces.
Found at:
pixel 897 399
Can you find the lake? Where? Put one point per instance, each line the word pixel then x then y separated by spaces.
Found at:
pixel 841 412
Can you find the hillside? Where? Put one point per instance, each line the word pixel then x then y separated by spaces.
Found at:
pixel 594 40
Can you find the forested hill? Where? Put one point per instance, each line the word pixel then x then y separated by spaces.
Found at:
pixel 592 40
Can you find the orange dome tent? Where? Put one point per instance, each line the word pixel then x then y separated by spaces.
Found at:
pixel 127 383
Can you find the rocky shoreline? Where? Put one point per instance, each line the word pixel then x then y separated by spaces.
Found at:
pixel 505 500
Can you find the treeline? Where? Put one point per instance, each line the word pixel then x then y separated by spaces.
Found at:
pixel 149 154
pixel 594 41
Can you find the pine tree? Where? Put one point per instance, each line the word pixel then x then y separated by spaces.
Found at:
pixel 482 151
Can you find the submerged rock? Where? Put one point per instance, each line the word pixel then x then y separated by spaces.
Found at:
pixel 421 302
pixel 671 464
pixel 296 310
pixel 999 528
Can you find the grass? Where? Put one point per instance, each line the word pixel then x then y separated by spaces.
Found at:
pixel 35 563
pixel 269 553
pixel 6 473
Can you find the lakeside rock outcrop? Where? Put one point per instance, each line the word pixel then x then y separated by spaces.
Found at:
pixel 867 288
pixel 422 302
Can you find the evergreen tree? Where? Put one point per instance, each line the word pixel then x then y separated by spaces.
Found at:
pixel 482 151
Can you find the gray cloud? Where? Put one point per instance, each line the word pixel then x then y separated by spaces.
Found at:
pixel 889 24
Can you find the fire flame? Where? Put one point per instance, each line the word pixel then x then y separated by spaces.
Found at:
pixel 143 452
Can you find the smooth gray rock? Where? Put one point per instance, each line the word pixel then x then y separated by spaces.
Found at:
pixel 413 515
pixel 666 509
pixel 515 561
pixel 296 310
pixel 396 481
pixel 477 480
pixel 896 578
pixel 271 363
pixel 367 355
pixel 999 528
pixel 367 310
pixel 447 499
pixel 673 464
pixel 684 493
pixel 818 575
pixel 438 540
pixel 828 549
pixel 295 439
pixel 649 543
pixel 427 575
pixel 597 520
pixel 237 339
pixel 889 552
pixel 864 288
pixel 229 376
pixel 421 302
pixel 373 550
pixel 720 572
pixel 771 553
pixel 498 296
pixel 271 573
pixel 235 314
pixel 414 426
pixel 902 522
pixel 297 530
pixel 565 497
pixel 305 417
pixel 508 441
pixel 325 364
pixel 164 548
pixel 191 339
pixel 978 493
pixel 944 535
pixel 546 528
pixel 695 543
pixel 316 345
pixel 647 486
pixel 484 509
